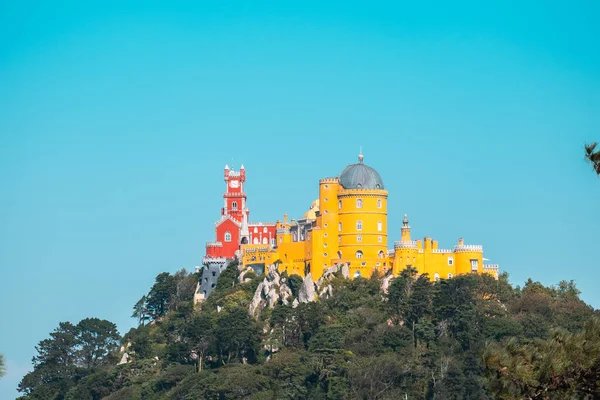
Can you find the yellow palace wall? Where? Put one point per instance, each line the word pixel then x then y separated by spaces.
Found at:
pixel 351 227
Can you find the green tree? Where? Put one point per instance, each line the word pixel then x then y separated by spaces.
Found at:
pixel 96 341
pixel 158 298
pixel 593 156
pixel 237 336
pixel 140 312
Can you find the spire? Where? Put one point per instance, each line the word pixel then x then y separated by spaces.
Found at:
pixel 360 156
pixel 242 167
pixel 405 235
pixel 227 167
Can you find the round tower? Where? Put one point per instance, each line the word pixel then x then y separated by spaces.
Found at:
pixel 362 219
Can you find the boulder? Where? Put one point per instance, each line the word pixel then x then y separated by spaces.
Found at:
pixel 272 297
pixel 326 292
pixel 307 290
pixel 256 300
pixel 385 283
pixel 295 303
pixel 285 293
pixel 345 271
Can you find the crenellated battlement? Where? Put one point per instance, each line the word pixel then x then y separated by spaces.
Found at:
pixel 214 260
pixel 214 244
pixel 442 251
pixel 329 180
pixel 405 245
pixel 490 267
pixel 468 247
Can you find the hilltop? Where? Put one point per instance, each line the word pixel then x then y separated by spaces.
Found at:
pixel 272 337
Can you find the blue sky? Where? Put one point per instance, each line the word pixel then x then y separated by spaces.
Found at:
pixel 117 119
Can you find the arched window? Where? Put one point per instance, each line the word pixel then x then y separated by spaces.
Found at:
pixel 436 277
pixel 450 261
pixel 359 254
pixel 378 203
pixel 359 238
pixel 255 241
pixel 234 205
pixel 228 236
pixel 449 276
pixel 265 230
pixel 265 240
pixel 339 254
pixel 339 226
pixel 359 225
pixel 379 226
pixel 358 203
pixel 340 204
pixel 381 254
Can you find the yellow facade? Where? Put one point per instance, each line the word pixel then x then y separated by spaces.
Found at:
pixel 348 224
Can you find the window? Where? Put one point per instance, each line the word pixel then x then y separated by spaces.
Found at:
pixel 256 241
pixel 326 186
pixel 326 199
pixel 228 236
pixel 449 276
pixel 265 240
pixel 378 203
pixel 377 264
pixel 357 274
pixel 363 263
pixel 358 203
pixel 273 242
pixel 339 204
pixel 436 277
pixel 324 244
pixel 339 239
pixel 339 254
pixel 265 230
pixel 379 226
pixel 326 212
pixel 255 230
pixel 359 238
pixel 339 226
pixel 474 265
pixel 325 234
pixel 325 254
pixel 379 239
pixel 234 205
pixel 325 225
pixel 450 261
pixel 359 225
pixel 381 254
pixel 359 254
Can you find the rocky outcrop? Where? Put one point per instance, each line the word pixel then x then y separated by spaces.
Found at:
pixel 307 290
pixel 269 292
pixel 385 283
pixel 326 292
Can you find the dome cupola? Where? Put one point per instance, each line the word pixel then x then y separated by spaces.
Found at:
pixel 360 176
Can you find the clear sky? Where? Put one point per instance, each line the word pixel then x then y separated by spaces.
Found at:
pixel 117 119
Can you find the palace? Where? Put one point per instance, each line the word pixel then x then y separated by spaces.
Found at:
pixel 346 224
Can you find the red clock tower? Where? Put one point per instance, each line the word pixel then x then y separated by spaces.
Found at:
pixel 234 217
pixel 232 230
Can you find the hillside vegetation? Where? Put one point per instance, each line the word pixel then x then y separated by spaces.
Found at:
pixel 470 337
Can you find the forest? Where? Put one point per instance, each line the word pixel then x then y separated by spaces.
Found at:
pixel 469 337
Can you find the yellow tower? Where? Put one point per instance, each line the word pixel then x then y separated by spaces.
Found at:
pixel 362 219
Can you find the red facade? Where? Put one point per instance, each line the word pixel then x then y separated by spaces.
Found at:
pixel 233 223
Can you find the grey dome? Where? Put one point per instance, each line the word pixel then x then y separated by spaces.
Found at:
pixel 360 176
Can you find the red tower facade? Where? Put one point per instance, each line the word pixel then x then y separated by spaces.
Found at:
pixel 233 228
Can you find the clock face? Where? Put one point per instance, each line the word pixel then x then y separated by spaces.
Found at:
pixel 234 184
